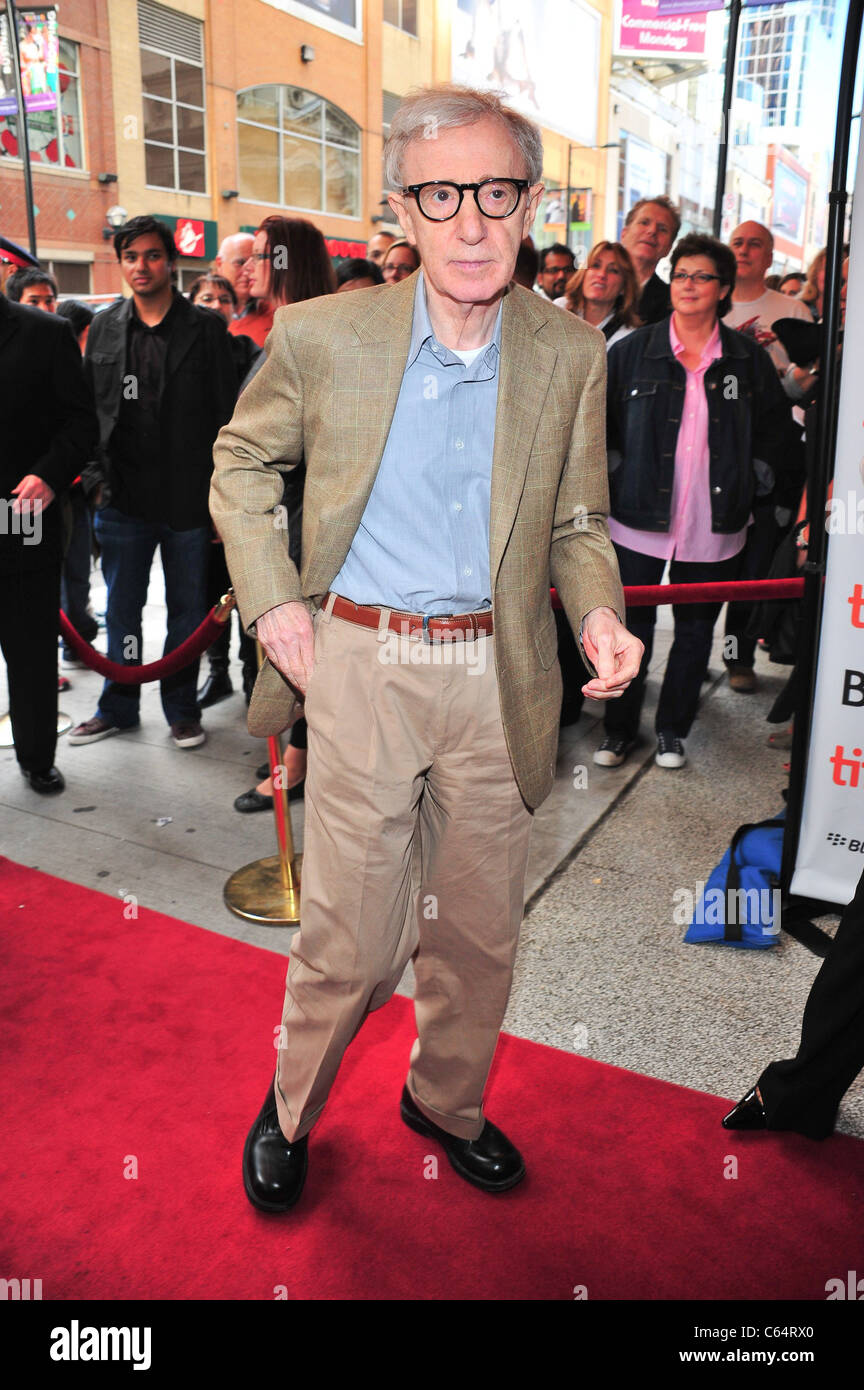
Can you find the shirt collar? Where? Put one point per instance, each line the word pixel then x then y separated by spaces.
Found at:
pixel 137 322
pixel 711 349
pixel 421 326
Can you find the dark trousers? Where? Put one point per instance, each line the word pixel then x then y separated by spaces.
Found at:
pixel 75 585
pixel 218 583
pixel 128 546
pixel 29 626
pixel 691 646
pixel 763 538
pixel 804 1093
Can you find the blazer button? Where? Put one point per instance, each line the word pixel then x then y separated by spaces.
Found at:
pixel 716 490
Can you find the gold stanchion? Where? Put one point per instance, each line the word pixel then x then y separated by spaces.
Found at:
pixel 268 890
pixel 6 739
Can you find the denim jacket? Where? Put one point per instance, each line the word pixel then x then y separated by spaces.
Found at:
pixel 754 445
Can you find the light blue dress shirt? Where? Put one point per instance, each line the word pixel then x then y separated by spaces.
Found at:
pixel 423 540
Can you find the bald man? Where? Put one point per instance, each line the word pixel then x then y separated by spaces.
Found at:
pixel 754 307
pixel 232 263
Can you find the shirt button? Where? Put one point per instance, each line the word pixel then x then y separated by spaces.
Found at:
pixel 435 347
pixel 457 506
pixel 467 571
pixel 459 444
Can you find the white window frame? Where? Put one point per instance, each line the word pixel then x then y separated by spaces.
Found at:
pixel 176 148
pixel 321 143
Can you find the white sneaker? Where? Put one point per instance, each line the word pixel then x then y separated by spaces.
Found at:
pixel 94 729
pixel 188 734
pixel 613 750
pixel 670 751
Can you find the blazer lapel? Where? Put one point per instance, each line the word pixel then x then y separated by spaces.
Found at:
pixel 526 368
pixel 370 376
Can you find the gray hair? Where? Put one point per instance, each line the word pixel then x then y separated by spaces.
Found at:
pixel 426 110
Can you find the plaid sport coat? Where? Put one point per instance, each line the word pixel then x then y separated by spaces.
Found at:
pixel 327 394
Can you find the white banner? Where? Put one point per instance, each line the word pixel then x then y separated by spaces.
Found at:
pixel 831 849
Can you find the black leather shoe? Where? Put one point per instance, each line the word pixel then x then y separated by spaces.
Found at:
pixel 490 1162
pixel 274 1171
pixel 48 783
pixel 749 1113
pixel 253 800
pixel 216 687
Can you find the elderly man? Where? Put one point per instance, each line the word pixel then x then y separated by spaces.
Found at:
pixel 453 433
pixel 233 262
pixel 755 309
pixel 650 229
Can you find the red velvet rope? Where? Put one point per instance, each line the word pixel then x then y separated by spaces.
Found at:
pixel 732 591
pixel 640 596
pixel 188 651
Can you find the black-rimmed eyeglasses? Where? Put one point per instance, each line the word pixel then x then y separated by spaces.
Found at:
pixel 699 277
pixel 439 200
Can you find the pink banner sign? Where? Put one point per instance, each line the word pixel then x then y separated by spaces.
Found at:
pixel 643 30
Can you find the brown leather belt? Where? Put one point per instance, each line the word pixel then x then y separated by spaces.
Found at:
pixel 471 625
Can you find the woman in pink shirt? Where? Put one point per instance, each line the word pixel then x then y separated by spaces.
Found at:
pixel 698 427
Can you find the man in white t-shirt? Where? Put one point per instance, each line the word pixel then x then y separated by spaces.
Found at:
pixel 755 308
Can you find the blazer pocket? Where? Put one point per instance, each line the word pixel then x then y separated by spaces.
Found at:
pixel 546 641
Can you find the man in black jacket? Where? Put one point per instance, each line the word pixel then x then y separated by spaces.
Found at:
pixel 649 231
pixel 48 427
pixel 164 383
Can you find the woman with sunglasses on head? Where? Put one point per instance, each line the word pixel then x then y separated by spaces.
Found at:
pixel 290 263
pixel 605 292
pixel 698 426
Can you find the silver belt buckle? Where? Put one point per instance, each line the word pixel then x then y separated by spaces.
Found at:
pixel 427 636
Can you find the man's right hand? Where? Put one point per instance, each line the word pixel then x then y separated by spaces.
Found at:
pixel 285 633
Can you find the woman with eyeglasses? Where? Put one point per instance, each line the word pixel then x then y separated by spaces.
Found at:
pixel 698 426
pixel 402 259
pixel 290 263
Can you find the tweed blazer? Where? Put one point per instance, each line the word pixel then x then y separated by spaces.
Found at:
pixel 327 394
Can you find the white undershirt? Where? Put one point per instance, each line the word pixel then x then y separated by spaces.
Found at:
pixel 469 354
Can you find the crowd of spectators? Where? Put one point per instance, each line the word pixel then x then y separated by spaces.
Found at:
pixel 704 435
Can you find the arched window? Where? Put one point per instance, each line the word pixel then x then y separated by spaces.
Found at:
pixel 296 150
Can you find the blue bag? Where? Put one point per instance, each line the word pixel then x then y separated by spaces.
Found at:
pixel 741 901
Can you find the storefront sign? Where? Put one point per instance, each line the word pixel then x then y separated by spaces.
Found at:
pixel 195 238
pixel 643 31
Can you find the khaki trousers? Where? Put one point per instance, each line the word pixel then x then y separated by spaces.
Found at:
pixel 405 739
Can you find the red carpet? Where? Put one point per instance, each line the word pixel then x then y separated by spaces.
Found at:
pixel 148 1042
